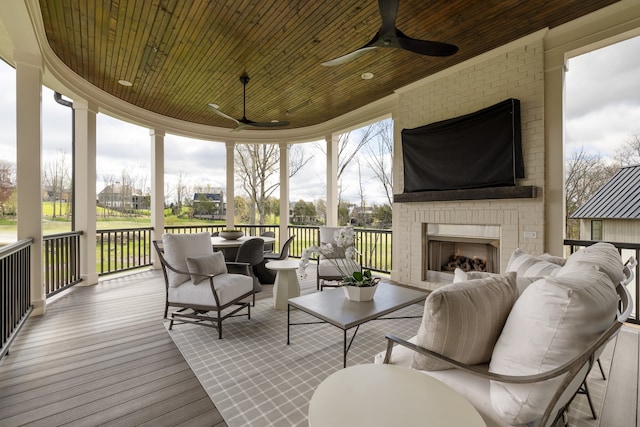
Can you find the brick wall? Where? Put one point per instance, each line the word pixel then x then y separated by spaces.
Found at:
pixel 515 71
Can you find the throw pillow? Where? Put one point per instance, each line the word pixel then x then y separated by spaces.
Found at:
pixel 179 247
pixel 463 320
pixel 530 266
pixel 209 264
pixel 553 259
pixel 554 320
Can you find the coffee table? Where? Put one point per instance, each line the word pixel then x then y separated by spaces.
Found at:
pixel 388 395
pixel 332 307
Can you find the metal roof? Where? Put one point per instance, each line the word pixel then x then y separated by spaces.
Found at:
pixel 619 198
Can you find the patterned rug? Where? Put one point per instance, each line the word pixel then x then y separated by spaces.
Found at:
pixel 255 379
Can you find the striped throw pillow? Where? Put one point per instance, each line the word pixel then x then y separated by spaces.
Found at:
pixel 526 265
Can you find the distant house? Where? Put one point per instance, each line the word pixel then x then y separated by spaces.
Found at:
pixel 361 216
pixel 209 205
pixel 613 212
pixel 121 197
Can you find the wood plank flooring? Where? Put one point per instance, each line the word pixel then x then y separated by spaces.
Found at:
pixel 101 356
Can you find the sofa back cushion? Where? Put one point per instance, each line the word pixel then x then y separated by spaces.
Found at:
pixel 554 320
pixel 179 247
pixel 522 282
pixel 463 320
pixel 603 255
pixel 526 265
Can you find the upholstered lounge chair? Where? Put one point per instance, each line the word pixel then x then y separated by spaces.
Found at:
pixel 198 284
pixel 327 271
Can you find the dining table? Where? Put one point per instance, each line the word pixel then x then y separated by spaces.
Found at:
pixel 229 247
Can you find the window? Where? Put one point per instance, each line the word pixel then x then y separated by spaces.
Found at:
pixel 596 229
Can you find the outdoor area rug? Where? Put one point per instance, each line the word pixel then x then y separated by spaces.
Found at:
pixel 255 379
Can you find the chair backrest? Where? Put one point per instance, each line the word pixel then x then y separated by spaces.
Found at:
pixel 284 252
pixel 268 247
pixel 251 251
pixel 327 234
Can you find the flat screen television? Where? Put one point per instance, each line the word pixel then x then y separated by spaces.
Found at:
pixel 477 150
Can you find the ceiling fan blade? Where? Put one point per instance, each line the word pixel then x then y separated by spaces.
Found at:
pixel 349 56
pixel 388 13
pixel 220 113
pixel 246 122
pixel 425 47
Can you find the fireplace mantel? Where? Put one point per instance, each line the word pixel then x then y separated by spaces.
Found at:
pixel 516 192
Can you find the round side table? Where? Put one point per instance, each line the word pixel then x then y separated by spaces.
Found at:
pixel 286 285
pixel 386 395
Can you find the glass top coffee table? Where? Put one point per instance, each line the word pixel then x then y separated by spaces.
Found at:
pixel 332 307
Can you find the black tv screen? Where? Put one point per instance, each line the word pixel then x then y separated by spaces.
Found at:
pixel 477 150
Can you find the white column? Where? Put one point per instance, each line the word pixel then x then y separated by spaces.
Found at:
pixel 157 189
pixel 230 184
pixel 554 156
pixel 332 180
pixel 398 187
pixel 29 166
pixel 284 193
pixel 85 209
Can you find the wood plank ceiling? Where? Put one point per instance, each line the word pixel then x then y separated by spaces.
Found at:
pixel 181 55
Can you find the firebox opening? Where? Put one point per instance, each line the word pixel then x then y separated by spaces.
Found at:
pixel 447 254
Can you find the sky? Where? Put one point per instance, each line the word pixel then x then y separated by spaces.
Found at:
pixel 602 109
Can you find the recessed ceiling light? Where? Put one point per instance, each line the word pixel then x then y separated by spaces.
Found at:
pixel 125 82
pixel 366 76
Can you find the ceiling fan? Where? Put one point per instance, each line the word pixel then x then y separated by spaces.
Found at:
pixel 389 36
pixel 244 122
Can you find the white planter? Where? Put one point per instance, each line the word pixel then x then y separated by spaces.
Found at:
pixel 359 293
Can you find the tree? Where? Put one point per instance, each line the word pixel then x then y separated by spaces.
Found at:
pixel 57 179
pixel 256 167
pixel 629 153
pixel 380 158
pixel 180 191
pixel 304 212
pixel 585 174
pixel 7 184
pixel 382 216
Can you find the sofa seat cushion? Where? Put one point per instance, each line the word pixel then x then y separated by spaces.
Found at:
pixel 228 286
pixel 463 320
pixel 526 265
pixel 328 268
pixel 213 263
pixel 476 390
pixel 179 247
pixel 554 320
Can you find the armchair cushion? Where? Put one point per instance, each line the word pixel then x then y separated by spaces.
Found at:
pixel 208 264
pixel 553 320
pixel 328 267
pixel 179 247
pixel 530 266
pixel 463 320
pixel 227 286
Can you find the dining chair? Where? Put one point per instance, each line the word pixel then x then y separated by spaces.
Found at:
pixel 252 252
pixel 268 247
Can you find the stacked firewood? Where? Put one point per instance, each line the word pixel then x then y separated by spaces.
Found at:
pixel 465 263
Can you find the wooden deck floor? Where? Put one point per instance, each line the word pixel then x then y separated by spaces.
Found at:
pixel 101 356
